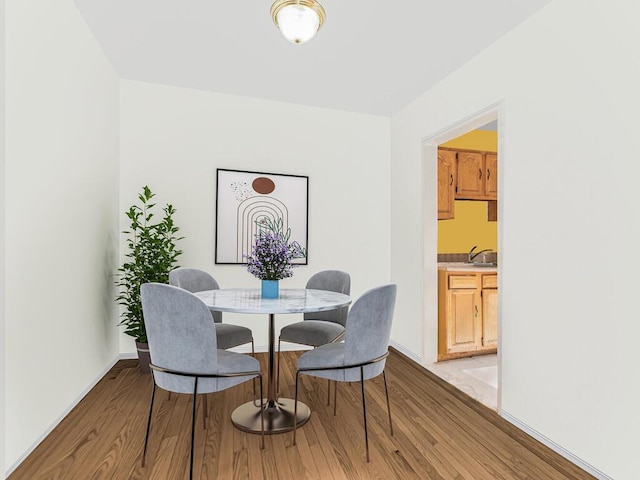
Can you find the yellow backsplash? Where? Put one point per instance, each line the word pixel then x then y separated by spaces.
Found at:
pixel 470 227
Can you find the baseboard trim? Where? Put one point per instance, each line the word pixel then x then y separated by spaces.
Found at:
pixel 555 447
pixel 407 353
pixel 66 412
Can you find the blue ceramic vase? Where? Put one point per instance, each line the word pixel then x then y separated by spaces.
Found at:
pixel 270 288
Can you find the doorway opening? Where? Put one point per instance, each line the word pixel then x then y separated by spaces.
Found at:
pixel 465 352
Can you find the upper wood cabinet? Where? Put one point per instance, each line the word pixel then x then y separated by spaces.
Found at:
pixel 491 172
pixel 466 175
pixel 446 183
pixel 477 176
pixel 475 173
pixel 470 175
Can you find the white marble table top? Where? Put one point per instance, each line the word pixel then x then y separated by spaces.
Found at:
pixel 291 300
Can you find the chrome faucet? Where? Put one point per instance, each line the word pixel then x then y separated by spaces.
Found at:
pixel 471 255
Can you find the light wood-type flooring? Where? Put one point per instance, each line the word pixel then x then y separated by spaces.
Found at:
pixel 439 433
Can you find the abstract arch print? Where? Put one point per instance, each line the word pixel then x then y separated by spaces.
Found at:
pixel 252 212
pixel 245 199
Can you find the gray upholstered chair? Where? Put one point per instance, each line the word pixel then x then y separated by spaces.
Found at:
pixel 363 353
pixel 319 328
pixel 195 280
pixel 184 353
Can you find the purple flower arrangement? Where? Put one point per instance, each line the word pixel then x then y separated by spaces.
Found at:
pixel 272 252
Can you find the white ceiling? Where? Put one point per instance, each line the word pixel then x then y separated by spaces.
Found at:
pixel 371 56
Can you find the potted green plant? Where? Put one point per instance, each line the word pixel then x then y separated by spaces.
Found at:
pixel 151 255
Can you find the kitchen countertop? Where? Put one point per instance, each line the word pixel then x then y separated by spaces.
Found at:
pixel 465 267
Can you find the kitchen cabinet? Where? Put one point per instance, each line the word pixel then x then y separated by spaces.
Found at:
pixel 492 211
pixel 462 321
pixel 491 175
pixel 446 183
pixel 470 175
pixel 467 313
pixel 489 294
pixel 475 173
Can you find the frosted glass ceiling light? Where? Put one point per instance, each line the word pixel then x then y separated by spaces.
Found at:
pixel 298 20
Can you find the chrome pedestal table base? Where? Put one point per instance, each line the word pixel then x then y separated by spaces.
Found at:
pixel 278 412
pixel 278 416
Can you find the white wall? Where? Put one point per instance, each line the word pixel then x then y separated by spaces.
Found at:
pixel 173 139
pixel 568 78
pixel 2 249
pixel 61 215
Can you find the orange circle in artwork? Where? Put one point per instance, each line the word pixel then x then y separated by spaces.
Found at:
pixel 263 185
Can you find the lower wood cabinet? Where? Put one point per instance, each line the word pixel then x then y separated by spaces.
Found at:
pixel 467 313
pixel 489 318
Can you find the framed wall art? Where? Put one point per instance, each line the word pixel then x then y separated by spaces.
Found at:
pixel 244 198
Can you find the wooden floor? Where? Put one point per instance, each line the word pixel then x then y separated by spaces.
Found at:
pixel 439 433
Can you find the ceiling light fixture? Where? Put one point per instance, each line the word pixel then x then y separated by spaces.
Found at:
pixel 298 20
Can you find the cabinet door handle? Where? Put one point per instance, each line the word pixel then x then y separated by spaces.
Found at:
pixel 488 174
pixel 451 182
pixel 479 173
pixel 476 311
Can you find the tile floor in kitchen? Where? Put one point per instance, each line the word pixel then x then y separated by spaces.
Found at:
pixel 475 376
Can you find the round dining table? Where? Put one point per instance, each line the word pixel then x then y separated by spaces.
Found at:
pixel 278 411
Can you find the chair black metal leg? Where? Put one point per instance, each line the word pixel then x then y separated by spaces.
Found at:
pixel 261 416
pixel 193 427
pixel 146 437
pixel 278 372
pixel 335 397
pixel 364 412
pixel 295 409
pixel 386 391
pixel 253 354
